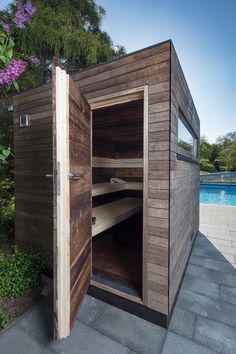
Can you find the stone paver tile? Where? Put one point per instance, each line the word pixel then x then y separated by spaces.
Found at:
pixel 201 286
pixel 215 335
pixel 17 341
pixel 182 322
pixel 175 344
pixel 197 303
pixel 230 258
pixel 133 332
pixel 86 340
pixel 207 307
pixel 203 230
pixel 227 314
pixel 212 252
pixel 220 241
pixel 219 265
pixel 213 227
pixel 202 242
pixel 39 323
pixel 196 260
pixel 226 250
pixel 219 236
pixel 228 294
pixel 90 309
pixel 211 275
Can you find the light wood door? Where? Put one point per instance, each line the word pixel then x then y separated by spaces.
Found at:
pixel 72 200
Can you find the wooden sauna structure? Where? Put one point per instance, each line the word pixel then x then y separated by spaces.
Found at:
pixel 107 182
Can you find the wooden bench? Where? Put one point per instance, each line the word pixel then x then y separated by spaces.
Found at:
pixel 105 188
pixel 110 214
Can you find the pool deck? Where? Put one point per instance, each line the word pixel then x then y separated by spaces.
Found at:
pixel 218 224
pixel 203 321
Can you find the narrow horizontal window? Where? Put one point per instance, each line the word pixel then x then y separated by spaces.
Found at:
pixel 187 140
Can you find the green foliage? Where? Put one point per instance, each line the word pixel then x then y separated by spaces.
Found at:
pixel 6 48
pixel 7 318
pixel 4 154
pixel 185 145
pixel 227 139
pixel 7 212
pixel 6 174
pixel 69 30
pixel 220 156
pixel 20 271
pixel 206 165
pixel 228 156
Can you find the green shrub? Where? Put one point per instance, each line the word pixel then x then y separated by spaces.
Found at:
pixel 7 212
pixel 7 207
pixel 7 318
pixel 20 271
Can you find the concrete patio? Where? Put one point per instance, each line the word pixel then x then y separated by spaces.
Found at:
pixel 203 322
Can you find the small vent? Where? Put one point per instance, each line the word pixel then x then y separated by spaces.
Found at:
pixel 10 108
pixel 24 121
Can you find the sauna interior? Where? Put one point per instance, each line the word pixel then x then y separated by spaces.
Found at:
pixel 117 197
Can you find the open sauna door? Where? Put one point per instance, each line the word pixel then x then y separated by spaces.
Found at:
pixel 72 200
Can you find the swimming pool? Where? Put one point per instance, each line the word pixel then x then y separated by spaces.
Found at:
pixel 215 194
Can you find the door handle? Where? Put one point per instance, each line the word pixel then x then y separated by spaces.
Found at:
pixel 49 175
pixel 75 176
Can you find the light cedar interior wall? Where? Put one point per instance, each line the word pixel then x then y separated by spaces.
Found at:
pixel 184 182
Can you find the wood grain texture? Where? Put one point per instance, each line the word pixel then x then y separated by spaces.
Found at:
pixel 171 198
pixel 80 198
pixel 184 182
pixel 125 74
pixel 33 160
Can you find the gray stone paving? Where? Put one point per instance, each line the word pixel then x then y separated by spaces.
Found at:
pixel 203 322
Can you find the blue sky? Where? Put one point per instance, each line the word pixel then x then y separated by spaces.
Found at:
pixel 204 35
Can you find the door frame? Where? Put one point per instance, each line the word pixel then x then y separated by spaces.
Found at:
pixel 120 97
pixel 62 195
pixel 69 266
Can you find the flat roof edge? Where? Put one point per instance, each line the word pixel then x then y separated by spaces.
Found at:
pixel 77 71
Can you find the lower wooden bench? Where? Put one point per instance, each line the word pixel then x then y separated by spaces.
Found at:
pixel 110 214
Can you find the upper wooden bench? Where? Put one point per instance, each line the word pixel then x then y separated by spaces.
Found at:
pixel 105 188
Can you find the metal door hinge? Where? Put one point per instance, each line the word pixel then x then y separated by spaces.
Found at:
pixel 74 176
pixel 58 178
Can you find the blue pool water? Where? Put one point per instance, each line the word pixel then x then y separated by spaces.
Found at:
pixel 215 194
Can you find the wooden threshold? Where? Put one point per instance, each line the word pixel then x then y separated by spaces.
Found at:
pixel 116 292
pixel 105 188
pixel 110 214
pixel 128 305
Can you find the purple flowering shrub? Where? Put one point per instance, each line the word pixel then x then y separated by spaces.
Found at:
pixel 24 13
pixel 13 65
pixel 12 72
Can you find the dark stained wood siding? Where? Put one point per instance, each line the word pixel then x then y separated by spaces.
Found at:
pixel 184 182
pixel 148 67
pixel 172 184
pixel 33 160
pixel 80 198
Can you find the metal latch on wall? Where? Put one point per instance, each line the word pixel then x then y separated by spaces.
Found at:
pixel 57 173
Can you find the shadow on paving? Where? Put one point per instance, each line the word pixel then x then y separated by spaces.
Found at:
pixel 203 321
pixel 205 312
